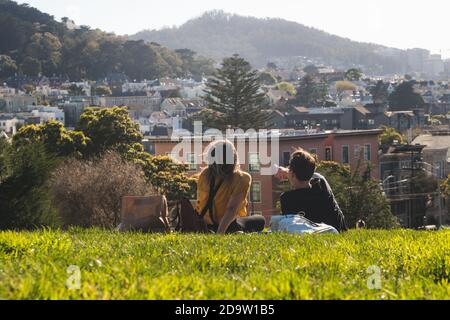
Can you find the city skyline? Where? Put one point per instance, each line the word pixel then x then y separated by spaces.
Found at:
pixel 382 23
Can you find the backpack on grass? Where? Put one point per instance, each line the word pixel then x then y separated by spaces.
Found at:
pixel 146 214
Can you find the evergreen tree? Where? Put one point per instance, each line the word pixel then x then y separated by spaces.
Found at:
pixel 311 93
pixel 234 92
pixel 380 93
pixel 25 200
pixel 404 98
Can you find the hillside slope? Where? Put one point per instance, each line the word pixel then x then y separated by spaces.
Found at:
pixel 32 43
pixel 217 34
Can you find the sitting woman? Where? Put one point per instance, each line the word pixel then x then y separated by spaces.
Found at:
pixel 311 194
pixel 228 186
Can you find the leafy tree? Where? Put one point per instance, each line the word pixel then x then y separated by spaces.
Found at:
pixel 8 66
pixel 311 93
pixel 46 48
pixel 31 67
pixel 166 176
pixel 57 140
pixel 353 74
pixel 76 90
pixel 343 86
pixel 272 66
pixel 110 129
pixel 235 92
pixel 359 196
pixel 445 187
pixel 103 91
pixel 267 78
pixel 4 151
pixel 25 200
pixel 288 87
pixel 29 88
pixel 390 135
pixel 405 98
pixel 310 69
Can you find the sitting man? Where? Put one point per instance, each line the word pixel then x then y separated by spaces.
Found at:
pixel 312 195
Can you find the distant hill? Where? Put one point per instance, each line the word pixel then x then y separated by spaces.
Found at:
pixel 217 34
pixel 33 42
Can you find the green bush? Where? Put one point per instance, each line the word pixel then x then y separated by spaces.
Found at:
pixel 25 200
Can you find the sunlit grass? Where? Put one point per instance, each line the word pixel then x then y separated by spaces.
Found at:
pixel 414 265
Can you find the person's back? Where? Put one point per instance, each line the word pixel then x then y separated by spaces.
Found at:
pixel 238 183
pixel 312 195
pixel 223 191
pixel 315 203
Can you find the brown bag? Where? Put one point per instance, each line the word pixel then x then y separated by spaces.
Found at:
pixel 189 220
pixel 147 214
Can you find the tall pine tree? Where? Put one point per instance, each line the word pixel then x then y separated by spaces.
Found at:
pixel 234 92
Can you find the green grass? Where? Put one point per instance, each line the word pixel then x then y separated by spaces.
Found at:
pixel 414 265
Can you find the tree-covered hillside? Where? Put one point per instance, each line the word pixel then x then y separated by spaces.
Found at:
pixel 32 42
pixel 217 34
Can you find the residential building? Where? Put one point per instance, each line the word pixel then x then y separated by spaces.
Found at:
pixel 138 105
pixel 404 120
pixel 436 153
pixel 17 102
pixel 9 123
pixel 174 106
pixel 46 113
pixel 350 118
pixel 398 167
pixel 73 110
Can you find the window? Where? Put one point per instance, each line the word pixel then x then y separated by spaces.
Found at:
pixel 253 162
pixel 191 162
pixel 313 150
pixel 405 164
pixel 371 122
pixel 286 158
pixel 367 152
pixel 328 154
pixel 345 155
pixel 255 194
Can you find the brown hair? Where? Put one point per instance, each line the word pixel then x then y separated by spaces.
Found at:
pixel 222 159
pixel 303 165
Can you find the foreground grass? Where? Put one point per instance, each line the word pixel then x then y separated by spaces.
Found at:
pixel 414 265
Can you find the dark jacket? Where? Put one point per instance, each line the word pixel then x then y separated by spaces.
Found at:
pixel 318 204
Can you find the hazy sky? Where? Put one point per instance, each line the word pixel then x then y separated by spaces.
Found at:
pixel 398 23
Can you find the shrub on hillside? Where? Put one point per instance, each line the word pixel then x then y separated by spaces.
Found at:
pixel 88 193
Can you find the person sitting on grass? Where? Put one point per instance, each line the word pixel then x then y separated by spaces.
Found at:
pixel 312 195
pixel 228 212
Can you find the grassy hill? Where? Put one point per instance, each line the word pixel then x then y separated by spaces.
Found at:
pixel 413 265
pixel 217 34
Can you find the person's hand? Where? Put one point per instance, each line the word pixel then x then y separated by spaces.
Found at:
pixel 282 173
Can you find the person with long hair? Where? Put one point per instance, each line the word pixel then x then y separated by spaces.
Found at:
pixel 230 187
